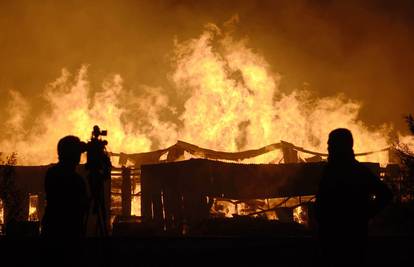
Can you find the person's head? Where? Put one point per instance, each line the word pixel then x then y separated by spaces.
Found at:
pixel 70 149
pixel 340 145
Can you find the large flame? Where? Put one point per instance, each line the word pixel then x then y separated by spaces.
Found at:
pixel 235 103
pixel 231 101
pixel 72 110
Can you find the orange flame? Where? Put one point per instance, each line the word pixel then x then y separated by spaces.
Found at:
pixel 33 204
pixel 235 103
pixel 232 101
pixel 1 212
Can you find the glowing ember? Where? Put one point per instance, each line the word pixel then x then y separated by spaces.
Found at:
pixel 33 205
pixel 136 201
pixel 1 212
pixel 300 215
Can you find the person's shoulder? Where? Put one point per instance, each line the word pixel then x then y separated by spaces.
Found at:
pixel 362 166
pixel 52 169
pixel 55 170
pixel 51 173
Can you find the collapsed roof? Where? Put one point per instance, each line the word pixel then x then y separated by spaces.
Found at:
pixel 175 151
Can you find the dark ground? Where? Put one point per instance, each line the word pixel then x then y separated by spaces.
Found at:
pixel 223 242
pixel 194 251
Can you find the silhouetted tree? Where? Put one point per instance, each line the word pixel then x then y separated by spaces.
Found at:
pixel 407 159
pixel 410 121
pixel 8 191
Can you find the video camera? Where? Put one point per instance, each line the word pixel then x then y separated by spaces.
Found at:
pixel 97 159
pixel 97 132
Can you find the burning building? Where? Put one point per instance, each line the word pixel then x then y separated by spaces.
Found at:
pixel 228 98
pixel 189 184
pixel 217 184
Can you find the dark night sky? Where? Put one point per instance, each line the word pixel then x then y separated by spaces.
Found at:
pixel 361 48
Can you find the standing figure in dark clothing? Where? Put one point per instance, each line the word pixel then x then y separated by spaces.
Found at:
pixel 349 196
pixel 66 195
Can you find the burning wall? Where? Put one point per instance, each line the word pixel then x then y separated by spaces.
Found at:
pixel 186 190
pixel 240 184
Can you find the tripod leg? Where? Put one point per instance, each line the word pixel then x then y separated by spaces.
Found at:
pixel 101 219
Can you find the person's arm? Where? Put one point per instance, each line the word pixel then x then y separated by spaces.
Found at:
pixel 319 198
pixel 48 184
pixel 51 188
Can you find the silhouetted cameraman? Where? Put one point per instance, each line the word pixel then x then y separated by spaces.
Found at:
pixel 349 196
pixel 66 195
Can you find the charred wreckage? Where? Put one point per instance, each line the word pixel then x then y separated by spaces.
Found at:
pixel 211 193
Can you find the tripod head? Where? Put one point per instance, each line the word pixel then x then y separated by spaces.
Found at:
pixel 96 132
pixel 97 159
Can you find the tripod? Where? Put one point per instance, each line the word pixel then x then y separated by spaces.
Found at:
pixel 96 182
pixel 99 166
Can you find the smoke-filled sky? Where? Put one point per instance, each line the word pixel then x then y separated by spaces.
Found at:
pixel 363 49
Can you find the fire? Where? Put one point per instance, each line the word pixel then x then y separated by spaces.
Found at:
pixel 235 103
pixel 299 215
pixel 71 110
pixel 230 100
pixel 136 201
pixel 33 204
pixel 1 212
pixel 407 141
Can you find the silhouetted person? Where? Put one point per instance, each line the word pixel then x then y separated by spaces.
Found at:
pixel 349 196
pixel 66 195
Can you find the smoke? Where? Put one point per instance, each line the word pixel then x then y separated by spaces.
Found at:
pixel 360 48
pixel 17 110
